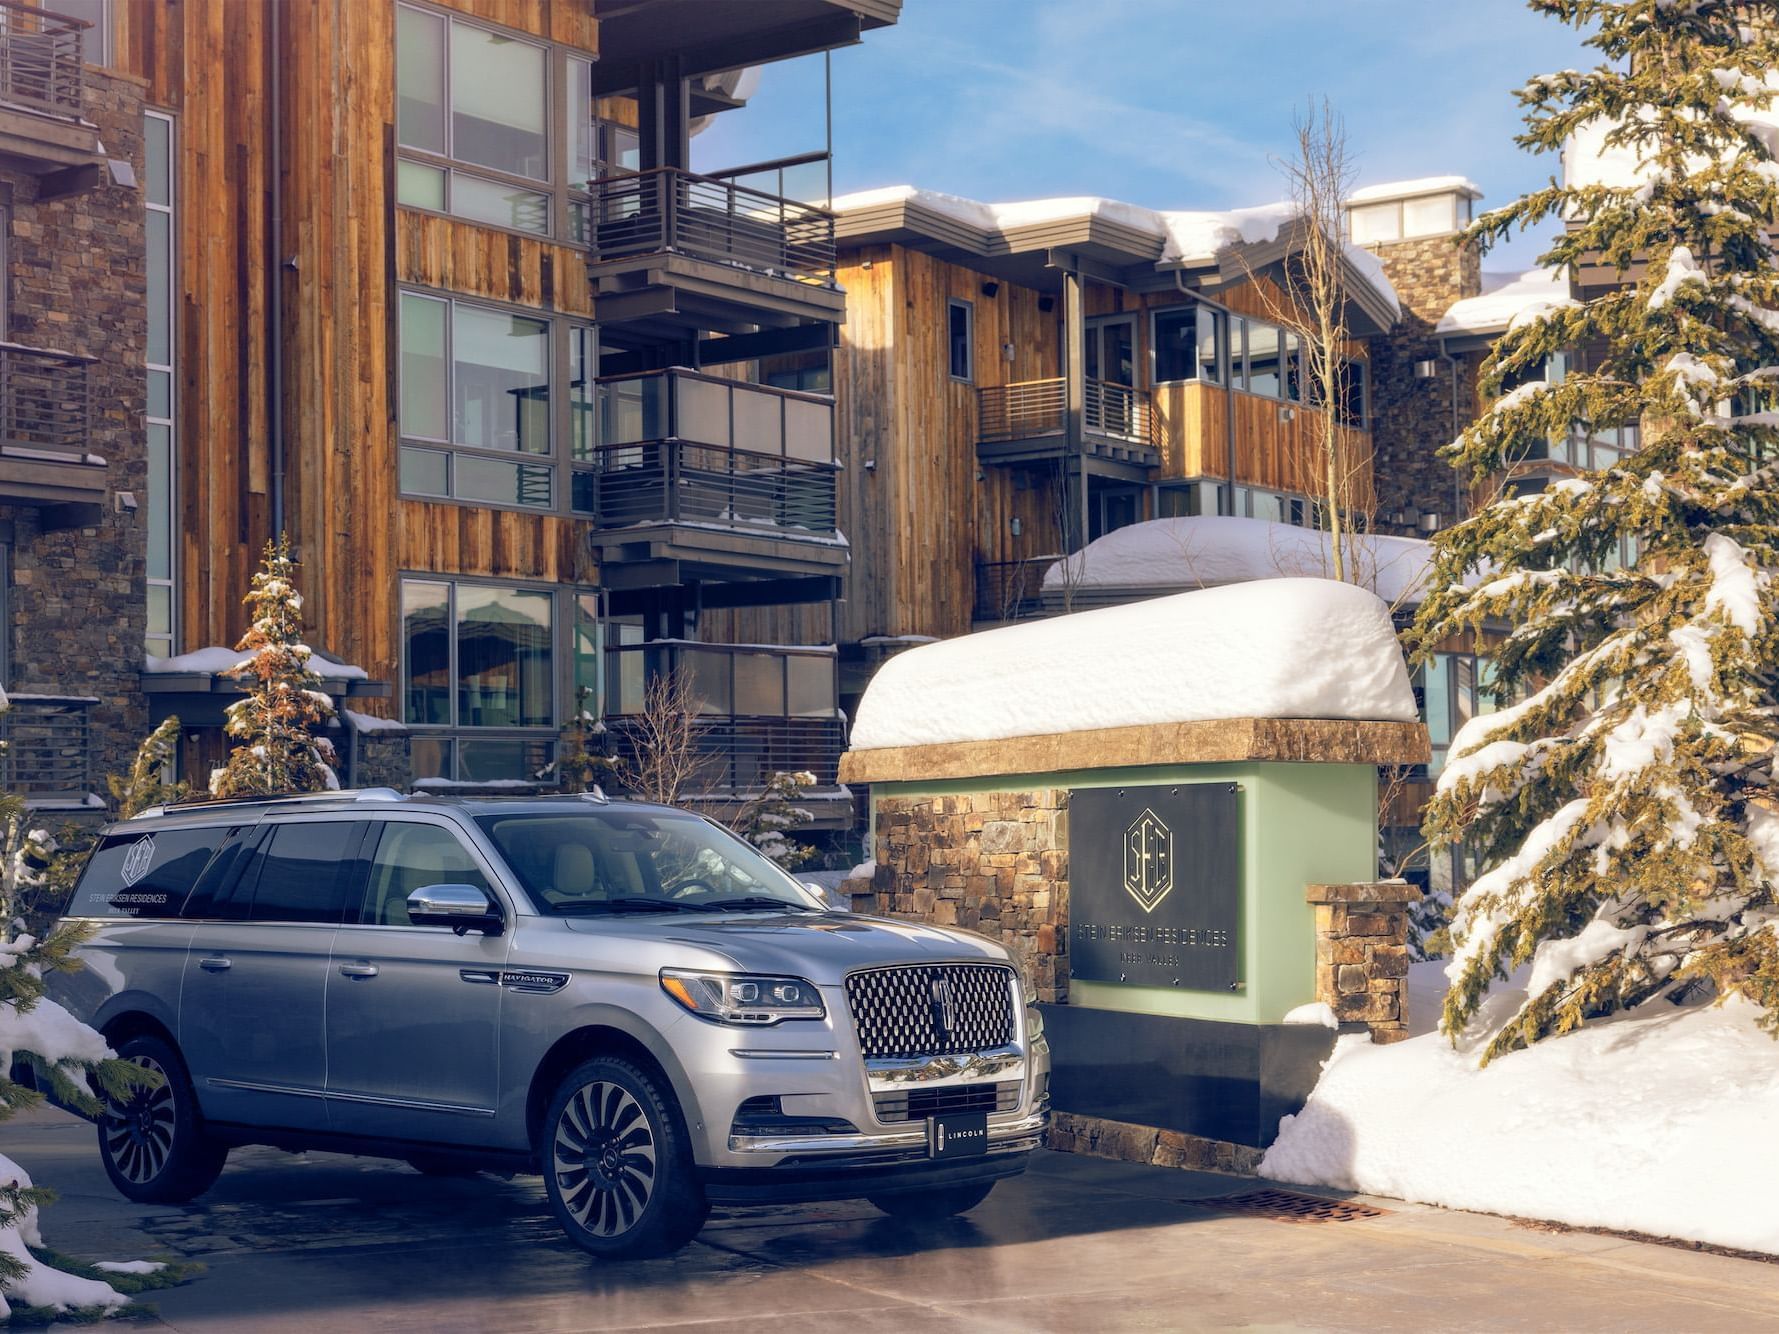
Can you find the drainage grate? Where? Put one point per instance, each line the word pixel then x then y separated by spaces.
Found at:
pixel 1287 1206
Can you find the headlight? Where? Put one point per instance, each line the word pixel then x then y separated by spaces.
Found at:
pixel 743 998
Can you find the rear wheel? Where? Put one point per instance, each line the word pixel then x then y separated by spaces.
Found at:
pixel 153 1142
pixel 928 1206
pixel 617 1164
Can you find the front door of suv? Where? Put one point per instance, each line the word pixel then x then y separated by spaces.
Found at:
pixel 413 1012
pixel 252 1005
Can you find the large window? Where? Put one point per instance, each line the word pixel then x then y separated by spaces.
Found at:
pixel 478 674
pixel 1189 343
pixel 477 378
pixel 157 500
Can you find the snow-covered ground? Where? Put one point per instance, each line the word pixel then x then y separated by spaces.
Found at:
pixel 1660 1121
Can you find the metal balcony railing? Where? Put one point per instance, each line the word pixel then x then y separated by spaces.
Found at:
pixel 682 447
pixel 45 402
pixel 760 709
pixel 1011 590
pixel 1032 408
pixel 47 743
pixel 668 209
pixel 40 60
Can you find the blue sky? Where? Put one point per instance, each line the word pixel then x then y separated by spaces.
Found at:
pixel 1165 103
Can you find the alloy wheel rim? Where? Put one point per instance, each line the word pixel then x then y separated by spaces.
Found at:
pixel 604 1158
pixel 139 1131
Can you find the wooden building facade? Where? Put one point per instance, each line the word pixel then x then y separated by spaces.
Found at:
pixel 450 308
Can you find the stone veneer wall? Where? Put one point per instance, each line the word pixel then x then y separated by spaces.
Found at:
pixel 993 862
pixel 76 282
pixel 1362 954
pixel 1412 417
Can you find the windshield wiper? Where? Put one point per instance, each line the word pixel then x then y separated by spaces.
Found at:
pixel 625 905
pixel 754 901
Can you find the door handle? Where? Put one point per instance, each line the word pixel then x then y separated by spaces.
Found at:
pixel 358 970
pixel 215 964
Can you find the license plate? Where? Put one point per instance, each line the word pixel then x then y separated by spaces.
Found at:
pixel 958 1135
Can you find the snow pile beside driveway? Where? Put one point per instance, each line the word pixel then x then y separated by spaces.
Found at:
pixel 1282 648
pixel 1659 1121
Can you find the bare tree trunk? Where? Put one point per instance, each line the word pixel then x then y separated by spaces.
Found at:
pixel 664 740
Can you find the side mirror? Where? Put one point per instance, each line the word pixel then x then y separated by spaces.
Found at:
pixel 460 907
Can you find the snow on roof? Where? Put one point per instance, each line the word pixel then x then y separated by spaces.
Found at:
pixel 1209 550
pixel 218 658
pixel 1188 235
pixel 370 722
pixel 1424 185
pixel 1284 648
pixel 1506 300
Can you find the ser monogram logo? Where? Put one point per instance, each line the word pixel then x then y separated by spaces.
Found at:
pixel 1148 860
pixel 137 860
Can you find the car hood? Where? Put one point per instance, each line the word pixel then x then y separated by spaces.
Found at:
pixel 820 946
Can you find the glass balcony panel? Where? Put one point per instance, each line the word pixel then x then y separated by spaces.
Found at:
pixel 703 411
pixel 809 430
pixel 633 410
pixel 707 675
pixel 809 686
pixel 759 422
pixel 759 684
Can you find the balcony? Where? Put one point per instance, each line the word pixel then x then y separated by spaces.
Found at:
pixel 45 424
pixel 1028 422
pixel 48 747
pixel 760 710
pixel 1011 590
pixel 43 96
pixel 689 251
pixel 699 477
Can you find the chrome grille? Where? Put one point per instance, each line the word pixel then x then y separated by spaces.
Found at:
pixel 899 1011
pixel 916 1104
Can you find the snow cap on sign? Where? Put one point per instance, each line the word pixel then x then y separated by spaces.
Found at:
pixel 1283 648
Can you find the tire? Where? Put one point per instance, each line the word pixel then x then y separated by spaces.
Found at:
pixel 929 1206
pixel 154 1145
pixel 617 1163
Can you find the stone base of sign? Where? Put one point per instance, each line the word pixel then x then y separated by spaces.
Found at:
pixel 992 862
pixel 1070 1132
pixel 1362 953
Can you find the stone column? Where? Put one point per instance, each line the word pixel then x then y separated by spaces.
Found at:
pixel 1362 953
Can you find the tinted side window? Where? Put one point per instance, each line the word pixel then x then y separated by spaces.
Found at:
pixel 137 874
pixel 304 873
pixel 414 856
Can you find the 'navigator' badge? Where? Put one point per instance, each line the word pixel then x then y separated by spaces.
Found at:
pixel 1148 860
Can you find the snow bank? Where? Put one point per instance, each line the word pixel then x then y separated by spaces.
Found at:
pixel 1507 300
pixel 1282 648
pixel 1658 1121
pixel 1206 550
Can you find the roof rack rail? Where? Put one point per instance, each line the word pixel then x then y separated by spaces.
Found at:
pixel 276 798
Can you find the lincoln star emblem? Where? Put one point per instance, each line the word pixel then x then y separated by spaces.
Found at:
pixel 1148 860
pixel 944 1007
pixel 138 859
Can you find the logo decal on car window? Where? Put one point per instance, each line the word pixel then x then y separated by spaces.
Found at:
pixel 138 859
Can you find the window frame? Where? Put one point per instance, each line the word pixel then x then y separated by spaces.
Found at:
pixel 558 195
pixel 373 844
pixel 170 481
pixel 565 602
pixel 968 307
pixel 560 329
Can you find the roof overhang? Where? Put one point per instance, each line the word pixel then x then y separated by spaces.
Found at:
pixel 705 36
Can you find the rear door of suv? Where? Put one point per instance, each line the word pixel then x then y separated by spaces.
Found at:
pixel 252 1009
pixel 413 1012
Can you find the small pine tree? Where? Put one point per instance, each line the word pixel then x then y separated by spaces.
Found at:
pixel 1626 804
pixel 579 765
pixel 276 747
pixel 66 1057
pixel 145 785
pixel 766 819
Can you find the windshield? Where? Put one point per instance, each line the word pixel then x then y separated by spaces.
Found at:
pixel 626 860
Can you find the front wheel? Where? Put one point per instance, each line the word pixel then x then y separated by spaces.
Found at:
pixel 929 1206
pixel 617 1165
pixel 153 1143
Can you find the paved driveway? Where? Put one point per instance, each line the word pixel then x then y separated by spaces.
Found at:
pixel 303 1243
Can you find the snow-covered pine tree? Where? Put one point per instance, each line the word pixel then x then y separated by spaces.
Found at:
pixel 276 749
pixel 145 785
pixel 62 1052
pixel 1626 803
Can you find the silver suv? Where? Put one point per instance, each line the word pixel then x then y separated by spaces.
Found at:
pixel 623 997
